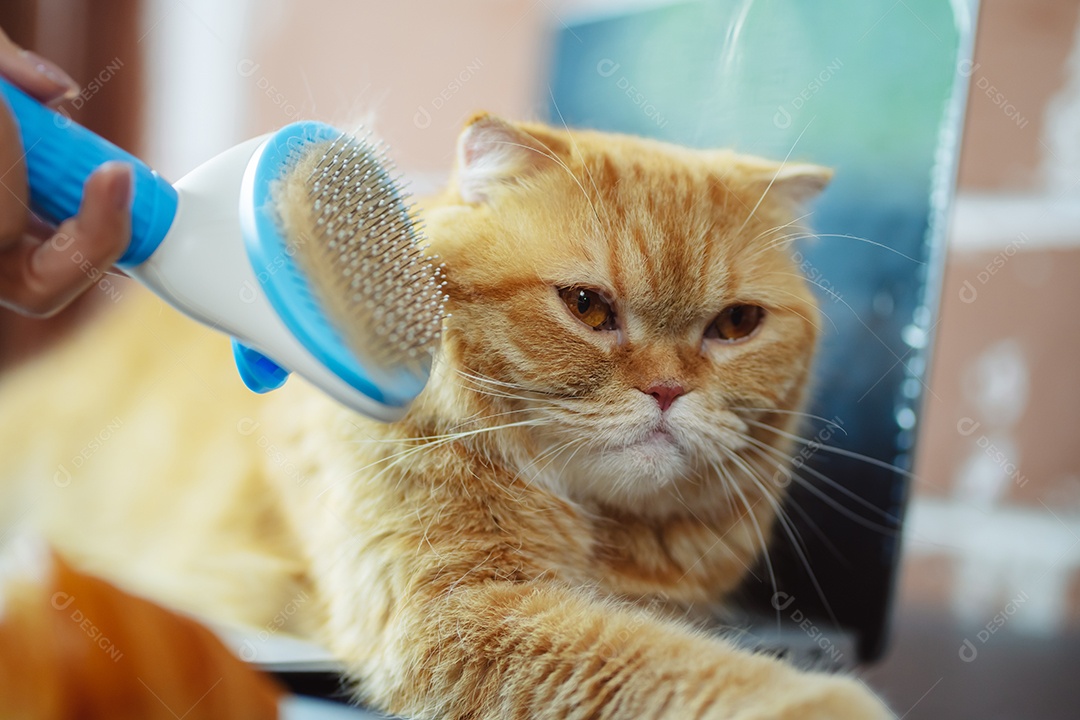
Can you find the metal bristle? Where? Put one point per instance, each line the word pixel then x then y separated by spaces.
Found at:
pixel 367 255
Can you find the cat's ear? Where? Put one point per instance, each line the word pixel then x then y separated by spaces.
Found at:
pixel 493 153
pixel 793 185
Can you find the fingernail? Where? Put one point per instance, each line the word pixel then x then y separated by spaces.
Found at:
pixel 120 189
pixel 52 72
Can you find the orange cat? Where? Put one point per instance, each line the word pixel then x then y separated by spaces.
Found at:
pixel 591 459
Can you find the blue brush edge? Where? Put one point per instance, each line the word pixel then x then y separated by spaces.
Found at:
pixel 283 281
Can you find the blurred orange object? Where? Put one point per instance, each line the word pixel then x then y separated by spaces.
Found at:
pixel 75 646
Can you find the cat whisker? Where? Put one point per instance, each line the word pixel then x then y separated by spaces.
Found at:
pixel 761 482
pixel 807 235
pixel 728 495
pixel 468 433
pixel 674 487
pixel 828 448
pixel 426 443
pixel 730 482
pixel 808 320
pixel 811 524
pixel 483 380
pixel 500 388
pixel 393 460
pixel 535 403
pixel 538 403
pixel 791 223
pixel 794 234
pixel 431 440
pixel 551 453
pixel 797 543
pixel 796 413
pixel 773 180
pixel 814 527
pixel 753 473
pixel 473 375
pixel 570 458
pixel 832 293
pixel 780 241
pixel 550 155
pixel 842 301
pixel 482 416
pixel 573 142
pixel 783 466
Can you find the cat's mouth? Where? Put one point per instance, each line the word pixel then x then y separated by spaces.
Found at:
pixel 659 436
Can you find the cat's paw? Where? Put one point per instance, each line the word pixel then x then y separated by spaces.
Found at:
pixel 809 696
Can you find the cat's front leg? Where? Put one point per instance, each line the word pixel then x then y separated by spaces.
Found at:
pixel 539 650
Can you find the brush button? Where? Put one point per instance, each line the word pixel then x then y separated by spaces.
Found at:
pixel 259 373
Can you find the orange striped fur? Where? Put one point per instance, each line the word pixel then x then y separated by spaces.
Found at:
pixel 522 544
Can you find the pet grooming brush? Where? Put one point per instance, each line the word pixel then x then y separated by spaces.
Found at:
pixel 298 244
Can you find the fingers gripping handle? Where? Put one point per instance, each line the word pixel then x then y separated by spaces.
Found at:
pixel 60 155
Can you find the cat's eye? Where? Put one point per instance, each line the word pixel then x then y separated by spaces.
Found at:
pixel 735 322
pixel 589 307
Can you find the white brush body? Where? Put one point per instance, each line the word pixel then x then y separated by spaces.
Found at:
pixel 202 268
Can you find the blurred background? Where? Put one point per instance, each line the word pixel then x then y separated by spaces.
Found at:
pixel 986 621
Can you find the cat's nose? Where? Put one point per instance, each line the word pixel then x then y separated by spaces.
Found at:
pixel 665 394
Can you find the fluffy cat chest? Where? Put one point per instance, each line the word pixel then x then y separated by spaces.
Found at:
pixel 686 560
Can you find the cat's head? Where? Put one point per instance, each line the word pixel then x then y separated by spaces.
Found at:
pixel 632 302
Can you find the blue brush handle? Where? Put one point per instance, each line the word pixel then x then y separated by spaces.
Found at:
pixel 60 155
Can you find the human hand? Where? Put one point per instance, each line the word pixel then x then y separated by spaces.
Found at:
pixel 43 269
